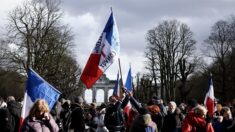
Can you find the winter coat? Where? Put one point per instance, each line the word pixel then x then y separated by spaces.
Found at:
pixel 172 121
pixel 143 123
pixel 31 124
pixel 195 123
pixel 7 121
pixel 77 118
pixel 114 114
pixel 15 110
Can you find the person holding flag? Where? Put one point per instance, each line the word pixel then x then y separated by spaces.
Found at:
pixel 114 118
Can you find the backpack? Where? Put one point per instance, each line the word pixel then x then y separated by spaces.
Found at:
pixel 7 120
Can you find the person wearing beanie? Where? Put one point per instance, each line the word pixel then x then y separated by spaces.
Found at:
pixel 77 116
pixel 143 122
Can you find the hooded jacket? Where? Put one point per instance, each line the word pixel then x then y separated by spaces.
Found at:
pixel 195 123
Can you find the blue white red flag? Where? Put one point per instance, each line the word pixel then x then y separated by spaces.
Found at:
pixel 37 88
pixel 210 98
pixel 116 90
pixel 128 83
pixel 128 86
pixel 106 50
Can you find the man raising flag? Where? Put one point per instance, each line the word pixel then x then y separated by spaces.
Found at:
pixel 106 49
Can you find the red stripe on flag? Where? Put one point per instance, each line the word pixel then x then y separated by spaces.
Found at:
pixel 210 106
pixel 92 72
pixel 21 123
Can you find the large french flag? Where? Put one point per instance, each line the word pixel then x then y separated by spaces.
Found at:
pixel 37 88
pixel 106 50
pixel 210 98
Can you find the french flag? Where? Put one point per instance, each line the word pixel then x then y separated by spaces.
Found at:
pixel 210 98
pixel 37 88
pixel 128 86
pixel 116 89
pixel 105 51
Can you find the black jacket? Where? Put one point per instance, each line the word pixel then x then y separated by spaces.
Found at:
pixel 15 110
pixel 114 114
pixel 77 118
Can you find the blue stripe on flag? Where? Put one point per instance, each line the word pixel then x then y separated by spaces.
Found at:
pixel 112 35
pixel 38 88
pixel 115 89
pixel 128 84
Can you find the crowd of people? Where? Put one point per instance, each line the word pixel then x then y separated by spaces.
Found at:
pixel 121 114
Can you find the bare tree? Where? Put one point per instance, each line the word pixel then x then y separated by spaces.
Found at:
pixel 170 42
pixel 219 45
pixel 41 42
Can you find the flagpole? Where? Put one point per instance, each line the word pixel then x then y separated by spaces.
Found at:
pixel 120 69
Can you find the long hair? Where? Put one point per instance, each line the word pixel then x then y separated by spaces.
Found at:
pixel 40 105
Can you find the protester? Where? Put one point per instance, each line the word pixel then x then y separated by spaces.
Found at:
pixel 77 116
pixel 7 121
pixel 156 116
pixel 227 120
pixel 195 121
pixel 101 113
pixel 159 102
pixel 143 122
pixel 15 109
pixel 114 118
pixel 65 116
pixel 39 119
pixel 173 119
pixel 92 120
pixel 218 110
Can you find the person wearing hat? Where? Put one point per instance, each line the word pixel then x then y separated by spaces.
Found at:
pixel 77 116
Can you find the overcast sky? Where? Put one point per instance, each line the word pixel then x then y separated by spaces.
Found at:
pixel 87 19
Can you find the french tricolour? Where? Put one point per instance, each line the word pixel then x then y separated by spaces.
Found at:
pixel 105 51
pixel 37 88
pixel 210 98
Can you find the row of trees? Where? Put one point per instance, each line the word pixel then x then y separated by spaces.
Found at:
pixel 175 68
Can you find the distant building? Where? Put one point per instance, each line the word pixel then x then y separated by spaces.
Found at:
pixel 100 91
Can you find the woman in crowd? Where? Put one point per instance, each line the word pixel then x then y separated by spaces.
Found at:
pixel 143 122
pixel 195 121
pixel 39 119
pixel 226 125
